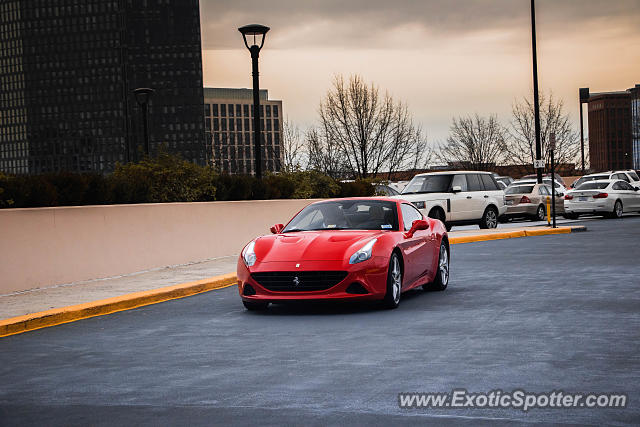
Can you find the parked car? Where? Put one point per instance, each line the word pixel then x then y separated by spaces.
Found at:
pixel 345 249
pixel 560 189
pixel 456 198
pixel 629 176
pixel 608 197
pixel 505 179
pixel 529 200
pixel 534 177
pixel 385 190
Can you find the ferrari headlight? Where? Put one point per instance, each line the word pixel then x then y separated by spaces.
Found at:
pixel 248 254
pixel 363 254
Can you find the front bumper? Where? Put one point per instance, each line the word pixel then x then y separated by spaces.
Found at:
pixel 371 275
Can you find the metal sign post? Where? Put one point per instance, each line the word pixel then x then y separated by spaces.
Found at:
pixel 552 148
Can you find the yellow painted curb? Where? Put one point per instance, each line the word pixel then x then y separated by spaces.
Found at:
pixel 43 319
pixel 488 236
pixel 545 231
pixel 509 234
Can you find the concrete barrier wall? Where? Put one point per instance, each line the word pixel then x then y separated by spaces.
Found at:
pixel 48 246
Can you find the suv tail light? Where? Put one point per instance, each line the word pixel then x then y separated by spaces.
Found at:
pixel 525 199
pixel 568 197
pixel 600 196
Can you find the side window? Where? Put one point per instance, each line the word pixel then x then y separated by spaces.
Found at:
pixel 625 186
pixel 409 214
pixel 616 186
pixel 543 190
pixel 460 180
pixel 473 180
pixel 489 183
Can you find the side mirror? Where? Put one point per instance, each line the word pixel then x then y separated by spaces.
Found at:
pixel 418 224
pixel 277 229
pixel 456 189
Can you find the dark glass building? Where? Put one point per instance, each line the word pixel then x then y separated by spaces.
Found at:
pixel 67 73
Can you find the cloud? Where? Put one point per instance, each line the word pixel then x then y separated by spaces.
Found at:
pixel 357 24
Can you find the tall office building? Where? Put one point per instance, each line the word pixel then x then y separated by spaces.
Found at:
pixel 229 125
pixel 614 134
pixel 67 73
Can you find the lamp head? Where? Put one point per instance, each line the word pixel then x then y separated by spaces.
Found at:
pixel 143 94
pixel 254 35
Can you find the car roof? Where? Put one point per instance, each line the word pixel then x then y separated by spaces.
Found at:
pixel 376 198
pixel 450 173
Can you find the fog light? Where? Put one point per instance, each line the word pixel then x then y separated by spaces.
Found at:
pixel 248 290
pixel 356 288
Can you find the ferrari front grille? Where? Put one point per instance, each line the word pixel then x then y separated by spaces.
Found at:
pixel 299 281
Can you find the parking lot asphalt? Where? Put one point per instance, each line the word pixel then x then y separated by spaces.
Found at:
pixel 540 314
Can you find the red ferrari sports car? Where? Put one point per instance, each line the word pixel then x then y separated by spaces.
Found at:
pixel 345 249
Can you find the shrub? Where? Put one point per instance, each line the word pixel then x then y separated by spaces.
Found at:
pixel 168 178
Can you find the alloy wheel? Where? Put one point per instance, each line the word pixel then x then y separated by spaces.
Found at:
pixel 396 277
pixel 492 219
pixel 444 265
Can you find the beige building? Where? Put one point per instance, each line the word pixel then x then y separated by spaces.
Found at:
pixel 229 126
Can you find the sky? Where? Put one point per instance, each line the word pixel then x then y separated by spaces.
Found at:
pixel 444 58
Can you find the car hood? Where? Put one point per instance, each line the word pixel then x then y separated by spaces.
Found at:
pixel 322 245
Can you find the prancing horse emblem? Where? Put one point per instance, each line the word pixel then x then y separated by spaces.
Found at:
pixel 296 281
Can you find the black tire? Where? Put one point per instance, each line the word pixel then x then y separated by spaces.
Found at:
pixel 441 281
pixel 504 219
pixel 255 305
pixel 489 218
pixel 541 214
pixel 617 210
pixel 392 297
pixel 437 213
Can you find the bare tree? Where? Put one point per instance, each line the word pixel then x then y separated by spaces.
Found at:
pixel 474 142
pixel 521 148
pixel 292 147
pixel 369 132
pixel 324 154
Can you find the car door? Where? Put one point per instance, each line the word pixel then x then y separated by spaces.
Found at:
pixel 476 196
pixel 417 249
pixel 631 200
pixel 461 202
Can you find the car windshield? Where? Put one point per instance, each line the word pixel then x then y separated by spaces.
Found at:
pixel 346 215
pixel 428 184
pixel 590 178
pixel 593 186
pixel 633 175
pixel 519 189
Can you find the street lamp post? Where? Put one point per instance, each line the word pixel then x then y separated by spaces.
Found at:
pixel 552 148
pixel 584 97
pixel 256 34
pixel 143 95
pixel 536 102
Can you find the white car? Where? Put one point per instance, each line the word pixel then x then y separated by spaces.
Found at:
pixel 608 197
pixel 457 198
pixel 627 175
